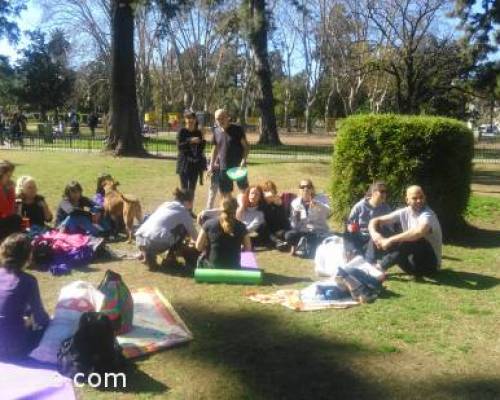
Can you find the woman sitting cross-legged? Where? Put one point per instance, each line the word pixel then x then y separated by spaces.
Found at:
pixel 75 212
pixel 33 206
pixel 309 220
pixel 167 228
pixel 10 222
pixel 275 216
pixel 250 213
pixel 221 239
pixel 22 315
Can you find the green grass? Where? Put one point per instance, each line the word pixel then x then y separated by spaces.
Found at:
pixel 435 339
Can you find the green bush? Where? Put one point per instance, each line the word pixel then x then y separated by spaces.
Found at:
pixel 401 150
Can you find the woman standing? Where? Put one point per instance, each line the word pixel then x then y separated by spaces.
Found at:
pixel 191 160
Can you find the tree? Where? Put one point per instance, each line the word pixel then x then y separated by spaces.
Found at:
pixel 480 19
pixel 46 80
pixel 125 137
pixel 8 82
pixel 10 9
pixel 257 26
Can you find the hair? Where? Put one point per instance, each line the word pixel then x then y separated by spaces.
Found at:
pixel 245 199
pixel 183 195
pixel 6 167
pixel 374 187
pixel 270 186
pixel 220 111
pixel 227 218
pixel 310 183
pixel 21 183
pixel 100 179
pixel 15 251
pixel 73 186
pixel 191 114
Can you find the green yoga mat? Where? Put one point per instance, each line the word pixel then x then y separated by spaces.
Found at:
pixel 212 275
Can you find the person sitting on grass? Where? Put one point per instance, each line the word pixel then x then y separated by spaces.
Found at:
pixel 417 249
pixel 33 205
pixel 250 213
pixel 275 216
pixel 76 213
pixel 10 221
pixel 22 315
pixel 221 239
pixel 373 205
pixel 309 220
pixel 166 229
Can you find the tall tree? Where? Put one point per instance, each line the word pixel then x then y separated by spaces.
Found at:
pixel 257 24
pixel 46 81
pixel 9 10
pixel 480 19
pixel 125 137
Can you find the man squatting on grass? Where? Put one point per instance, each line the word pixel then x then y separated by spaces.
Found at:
pixel 417 249
pixel 230 150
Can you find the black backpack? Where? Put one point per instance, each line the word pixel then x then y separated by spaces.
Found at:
pixel 92 349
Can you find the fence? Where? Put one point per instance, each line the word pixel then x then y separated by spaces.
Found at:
pixel 485 151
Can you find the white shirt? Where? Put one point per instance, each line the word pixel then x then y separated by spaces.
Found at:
pixel 166 217
pixel 409 219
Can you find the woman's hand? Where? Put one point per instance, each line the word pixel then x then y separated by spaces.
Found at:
pixel 195 140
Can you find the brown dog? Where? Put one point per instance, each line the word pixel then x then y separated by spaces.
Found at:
pixel 122 209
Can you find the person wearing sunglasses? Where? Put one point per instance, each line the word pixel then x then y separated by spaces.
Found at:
pixel 373 205
pixel 309 220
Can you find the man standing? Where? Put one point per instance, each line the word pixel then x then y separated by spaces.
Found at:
pixel 230 149
pixel 417 249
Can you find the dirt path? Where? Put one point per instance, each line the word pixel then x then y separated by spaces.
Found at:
pixel 486 179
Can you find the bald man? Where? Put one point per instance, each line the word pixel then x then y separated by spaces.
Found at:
pixel 230 150
pixel 417 249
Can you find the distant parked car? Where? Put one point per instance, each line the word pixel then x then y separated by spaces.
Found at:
pixel 489 131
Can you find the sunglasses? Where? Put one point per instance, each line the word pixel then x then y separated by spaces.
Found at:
pixel 305 187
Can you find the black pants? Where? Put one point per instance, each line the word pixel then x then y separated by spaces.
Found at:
pixel 415 258
pixel 189 179
pixel 9 225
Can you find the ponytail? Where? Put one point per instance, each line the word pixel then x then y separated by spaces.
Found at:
pixel 227 218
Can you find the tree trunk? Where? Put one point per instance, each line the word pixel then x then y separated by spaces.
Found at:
pixel 265 99
pixel 125 137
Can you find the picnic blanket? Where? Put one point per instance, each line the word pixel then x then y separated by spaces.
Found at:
pixel 307 299
pixel 33 381
pixel 156 325
pixel 60 252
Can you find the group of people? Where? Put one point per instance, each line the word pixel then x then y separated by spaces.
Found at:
pixel 258 216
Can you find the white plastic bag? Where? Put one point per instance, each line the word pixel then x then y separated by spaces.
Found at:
pixel 75 299
pixel 329 256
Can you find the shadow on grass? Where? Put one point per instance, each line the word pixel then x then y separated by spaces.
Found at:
pixel 137 382
pixel 272 279
pixel 464 388
pixel 458 279
pixel 273 361
pixel 476 238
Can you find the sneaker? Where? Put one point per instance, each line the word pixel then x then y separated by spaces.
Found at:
pixel 281 245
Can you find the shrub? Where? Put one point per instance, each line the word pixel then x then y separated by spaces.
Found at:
pixel 433 152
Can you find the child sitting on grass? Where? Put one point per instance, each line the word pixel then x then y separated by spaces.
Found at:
pixel 77 213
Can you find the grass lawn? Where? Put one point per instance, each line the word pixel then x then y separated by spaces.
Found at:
pixel 437 339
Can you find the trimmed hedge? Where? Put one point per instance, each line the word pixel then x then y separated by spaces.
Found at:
pixel 401 150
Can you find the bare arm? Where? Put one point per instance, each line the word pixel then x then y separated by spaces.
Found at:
pixel 247 243
pixel 202 241
pixel 410 235
pixel 375 223
pixel 246 150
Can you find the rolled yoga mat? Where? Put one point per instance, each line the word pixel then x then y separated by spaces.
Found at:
pixel 212 275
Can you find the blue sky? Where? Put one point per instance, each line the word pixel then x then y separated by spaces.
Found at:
pixel 29 20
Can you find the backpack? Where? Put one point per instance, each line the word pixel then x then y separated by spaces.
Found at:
pixel 118 304
pixel 92 349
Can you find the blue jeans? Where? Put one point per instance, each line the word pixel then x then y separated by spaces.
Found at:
pixel 364 278
pixel 79 224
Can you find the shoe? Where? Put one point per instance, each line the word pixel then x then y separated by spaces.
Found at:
pixel 281 245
